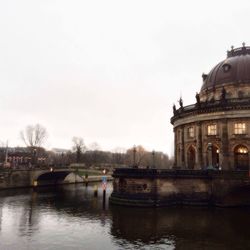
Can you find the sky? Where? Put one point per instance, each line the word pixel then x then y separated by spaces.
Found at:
pixel 109 71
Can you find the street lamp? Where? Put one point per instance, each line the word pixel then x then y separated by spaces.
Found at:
pixel 62 159
pixel 34 156
pixel 153 158
pixel 134 155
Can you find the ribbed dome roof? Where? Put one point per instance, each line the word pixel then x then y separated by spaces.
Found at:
pixel 234 69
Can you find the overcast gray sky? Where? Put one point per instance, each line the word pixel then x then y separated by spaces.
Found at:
pixel 109 71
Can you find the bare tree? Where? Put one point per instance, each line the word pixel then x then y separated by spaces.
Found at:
pixel 34 135
pixel 136 156
pixel 79 147
pixel 162 161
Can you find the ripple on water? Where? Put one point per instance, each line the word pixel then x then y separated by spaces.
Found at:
pixel 72 218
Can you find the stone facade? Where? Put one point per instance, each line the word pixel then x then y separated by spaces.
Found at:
pixel 215 131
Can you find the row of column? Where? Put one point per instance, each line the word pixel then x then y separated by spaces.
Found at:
pixel 200 140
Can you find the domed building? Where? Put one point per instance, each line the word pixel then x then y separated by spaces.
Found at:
pixel 215 131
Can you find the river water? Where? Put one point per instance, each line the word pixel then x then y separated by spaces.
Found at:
pixel 71 217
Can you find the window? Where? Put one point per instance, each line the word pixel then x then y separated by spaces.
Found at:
pixel 191 132
pixel 226 67
pixel 240 128
pixel 212 129
pixel 241 150
pixel 179 135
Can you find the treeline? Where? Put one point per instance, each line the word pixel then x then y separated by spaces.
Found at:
pixel 135 157
pixel 34 136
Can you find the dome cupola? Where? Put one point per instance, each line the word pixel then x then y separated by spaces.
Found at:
pixel 234 69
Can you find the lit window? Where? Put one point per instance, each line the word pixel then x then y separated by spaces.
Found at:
pixel 240 128
pixel 212 129
pixel 191 132
pixel 242 150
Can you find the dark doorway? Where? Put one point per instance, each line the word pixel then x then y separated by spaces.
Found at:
pixel 191 158
pixel 241 158
pixel 215 156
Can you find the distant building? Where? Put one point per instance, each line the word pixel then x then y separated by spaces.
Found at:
pixel 215 131
pixel 60 151
pixel 18 156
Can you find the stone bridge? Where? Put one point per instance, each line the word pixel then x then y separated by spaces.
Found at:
pixel 154 187
pixel 38 177
pixel 49 176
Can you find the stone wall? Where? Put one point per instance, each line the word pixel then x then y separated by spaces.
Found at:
pixel 17 178
pixel 144 187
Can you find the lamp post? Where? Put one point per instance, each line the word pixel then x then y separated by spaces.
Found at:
pixel 153 159
pixel 34 156
pixel 134 155
pixel 62 159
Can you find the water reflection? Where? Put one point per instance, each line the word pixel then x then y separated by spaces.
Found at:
pixel 0 217
pixel 70 217
pixel 185 228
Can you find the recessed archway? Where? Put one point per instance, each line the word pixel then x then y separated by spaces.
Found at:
pixel 191 157
pixel 241 157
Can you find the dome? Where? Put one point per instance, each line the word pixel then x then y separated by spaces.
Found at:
pixel 234 69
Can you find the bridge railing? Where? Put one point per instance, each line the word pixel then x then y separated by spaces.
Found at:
pixel 30 167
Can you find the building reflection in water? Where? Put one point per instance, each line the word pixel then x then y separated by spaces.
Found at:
pixel 185 228
pixel 1 215
pixel 30 216
pixel 37 213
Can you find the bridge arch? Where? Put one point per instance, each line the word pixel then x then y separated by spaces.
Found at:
pixel 56 176
pixel 49 177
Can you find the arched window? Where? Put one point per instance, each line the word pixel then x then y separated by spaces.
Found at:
pixel 241 158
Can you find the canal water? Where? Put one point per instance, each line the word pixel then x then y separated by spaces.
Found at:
pixel 71 217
